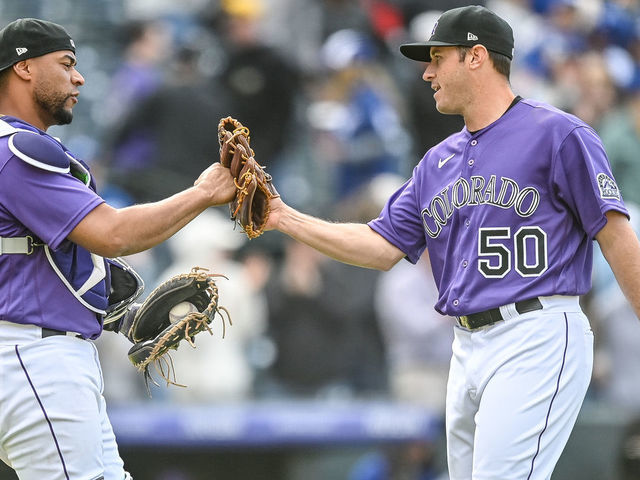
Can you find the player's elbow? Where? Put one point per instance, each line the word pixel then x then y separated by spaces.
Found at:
pixel 380 261
pixel 110 245
pixel 386 255
pixel 386 267
pixel 114 246
pixel 384 264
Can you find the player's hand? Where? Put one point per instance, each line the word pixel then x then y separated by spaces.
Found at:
pixel 218 183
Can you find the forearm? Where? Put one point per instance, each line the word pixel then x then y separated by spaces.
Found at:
pixel 352 243
pixel 114 232
pixel 146 225
pixel 621 248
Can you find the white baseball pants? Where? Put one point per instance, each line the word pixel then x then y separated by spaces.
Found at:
pixel 514 392
pixel 53 420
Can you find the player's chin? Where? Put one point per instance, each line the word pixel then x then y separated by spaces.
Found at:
pixel 443 108
pixel 446 108
pixel 63 116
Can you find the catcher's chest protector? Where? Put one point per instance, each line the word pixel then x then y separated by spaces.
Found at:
pixel 82 272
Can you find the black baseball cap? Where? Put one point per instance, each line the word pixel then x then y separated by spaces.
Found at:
pixel 30 37
pixel 465 26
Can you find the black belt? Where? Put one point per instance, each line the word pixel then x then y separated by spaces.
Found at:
pixel 493 315
pixel 50 332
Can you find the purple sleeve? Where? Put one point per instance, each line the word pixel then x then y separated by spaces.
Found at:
pixel 47 203
pixel 583 180
pixel 400 222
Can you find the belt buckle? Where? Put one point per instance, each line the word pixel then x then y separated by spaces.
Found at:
pixel 463 320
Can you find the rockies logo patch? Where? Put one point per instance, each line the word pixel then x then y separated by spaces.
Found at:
pixel 607 186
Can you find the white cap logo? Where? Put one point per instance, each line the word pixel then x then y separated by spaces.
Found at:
pixel 21 50
pixel 72 44
pixel 471 36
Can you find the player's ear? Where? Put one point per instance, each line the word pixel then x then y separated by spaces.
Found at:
pixel 477 55
pixel 23 69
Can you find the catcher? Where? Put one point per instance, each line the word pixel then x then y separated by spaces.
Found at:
pixel 55 233
pixel 254 190
pixel 178 309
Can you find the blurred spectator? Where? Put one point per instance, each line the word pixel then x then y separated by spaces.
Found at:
pixel 262 86
pixel 302 38
pixel 310 22
pixel 596 90
pixel 386 19
pixel 322 324
pixel 177 126
pixel 146 45
pixel 356 115
pixel 617 22
pixel 560 43
pixel 529 30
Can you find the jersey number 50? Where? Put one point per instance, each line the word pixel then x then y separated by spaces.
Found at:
pixel 529 250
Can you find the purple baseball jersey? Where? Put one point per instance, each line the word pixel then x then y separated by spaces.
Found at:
pixel 509 212
pixel 50 205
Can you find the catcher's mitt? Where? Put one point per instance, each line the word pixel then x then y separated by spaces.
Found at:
pixel 254 189
pixel 154 330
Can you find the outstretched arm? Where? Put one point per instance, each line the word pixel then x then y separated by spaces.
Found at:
pixel 352 243
pixel 621 248
pixel 112 232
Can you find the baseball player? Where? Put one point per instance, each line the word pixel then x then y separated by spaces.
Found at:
pixel 508 208
pixel 54 282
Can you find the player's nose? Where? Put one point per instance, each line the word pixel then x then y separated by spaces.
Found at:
pixel 429 73
pixel 77 78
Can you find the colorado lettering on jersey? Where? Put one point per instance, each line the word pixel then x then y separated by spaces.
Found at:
pixel 477 190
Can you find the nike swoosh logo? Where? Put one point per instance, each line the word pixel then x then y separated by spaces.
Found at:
pixel 441 162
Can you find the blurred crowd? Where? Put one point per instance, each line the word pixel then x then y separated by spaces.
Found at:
pixel 339 118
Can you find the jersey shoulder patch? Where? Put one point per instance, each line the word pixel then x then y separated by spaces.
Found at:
pixel 39 151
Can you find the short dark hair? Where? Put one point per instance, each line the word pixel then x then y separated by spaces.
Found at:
pixel 501 62
pixel 4 75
